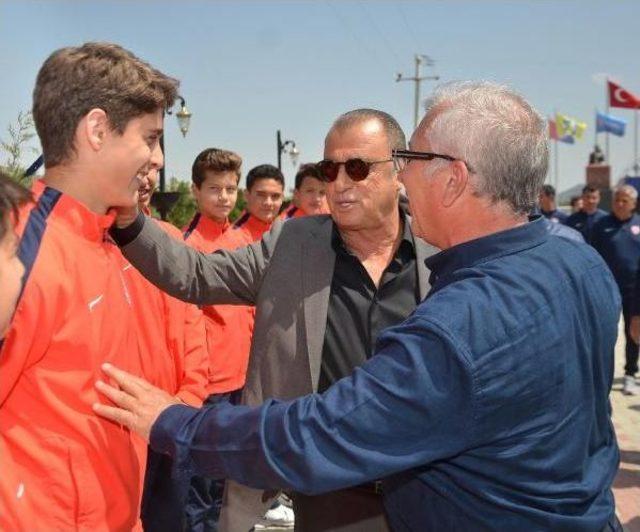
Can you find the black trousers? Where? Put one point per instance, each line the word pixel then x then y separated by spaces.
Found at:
pixel 348 510
pixel 631 348
pixel 204 499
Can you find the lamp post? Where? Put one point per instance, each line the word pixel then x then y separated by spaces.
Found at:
pixel 162 200
pixel 293 152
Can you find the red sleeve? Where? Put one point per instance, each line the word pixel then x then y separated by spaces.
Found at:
pixel 193 382
pixel 27 339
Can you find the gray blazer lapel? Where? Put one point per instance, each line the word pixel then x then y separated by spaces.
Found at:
pixel 318 262
pixel 423 251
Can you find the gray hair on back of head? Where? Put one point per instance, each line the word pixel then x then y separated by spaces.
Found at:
pixel 497 132
pixel 393 131
pixel 626 189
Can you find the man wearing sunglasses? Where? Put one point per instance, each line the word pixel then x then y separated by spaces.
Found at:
pixel 324 287
pixel 487 409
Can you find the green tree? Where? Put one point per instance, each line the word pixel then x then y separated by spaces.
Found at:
pixel 16 144
pixel 241 203
pixel 185 207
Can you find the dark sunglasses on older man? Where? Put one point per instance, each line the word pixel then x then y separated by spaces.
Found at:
pixel 357 169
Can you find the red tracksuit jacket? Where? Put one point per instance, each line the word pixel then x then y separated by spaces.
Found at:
pixel 62 467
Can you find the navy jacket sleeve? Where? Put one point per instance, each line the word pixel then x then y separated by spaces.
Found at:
pixel 412 403
pixel 635 311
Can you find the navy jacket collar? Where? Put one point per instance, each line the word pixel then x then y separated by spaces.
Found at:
pixel 469 254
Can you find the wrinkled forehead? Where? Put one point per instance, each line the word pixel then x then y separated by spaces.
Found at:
pixel 356 139
pixel 623 195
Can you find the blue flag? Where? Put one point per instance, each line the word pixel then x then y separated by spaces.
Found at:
pixel 610 124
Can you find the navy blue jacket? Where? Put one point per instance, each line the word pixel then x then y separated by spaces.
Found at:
pixel 619 244
pixel 583 222
pixel 556 216
pixel 635 308
pixel 486 409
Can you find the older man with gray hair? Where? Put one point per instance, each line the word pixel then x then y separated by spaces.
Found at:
pixel 487 409
pixel 617 238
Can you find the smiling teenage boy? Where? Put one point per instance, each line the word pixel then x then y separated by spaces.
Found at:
pixel 215 174
pixel 98 111
pixel 230 327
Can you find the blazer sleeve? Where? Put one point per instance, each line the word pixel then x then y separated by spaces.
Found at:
pixel 223 277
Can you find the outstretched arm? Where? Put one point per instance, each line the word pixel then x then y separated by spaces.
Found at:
pixel 223 277
pixel 409 405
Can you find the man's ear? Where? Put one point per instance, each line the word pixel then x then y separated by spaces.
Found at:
pixel 457 182
pixel 95 128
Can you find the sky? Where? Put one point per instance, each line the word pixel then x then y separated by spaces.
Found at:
pixel 248 69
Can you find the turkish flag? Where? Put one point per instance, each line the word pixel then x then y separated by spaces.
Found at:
pixel 618 97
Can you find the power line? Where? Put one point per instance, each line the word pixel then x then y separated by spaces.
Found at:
pixel 409 27
pixel 354 37
pixel 380 33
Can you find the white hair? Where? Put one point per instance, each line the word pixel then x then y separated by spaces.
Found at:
pixel 626 189
pixel 497 133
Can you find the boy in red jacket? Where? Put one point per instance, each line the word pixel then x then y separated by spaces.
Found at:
pixel 98 111
pixel 173 342
pixel 215 174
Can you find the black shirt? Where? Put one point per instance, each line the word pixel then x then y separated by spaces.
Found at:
pixel 358 311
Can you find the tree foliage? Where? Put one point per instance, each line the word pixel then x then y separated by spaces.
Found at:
pixel 16 145
pixel 184 209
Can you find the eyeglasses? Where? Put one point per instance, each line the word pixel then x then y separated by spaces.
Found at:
pixel 402 157
pixel 356 169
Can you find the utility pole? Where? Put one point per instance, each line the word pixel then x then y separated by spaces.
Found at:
pixel 419 59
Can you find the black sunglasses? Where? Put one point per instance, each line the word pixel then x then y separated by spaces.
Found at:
pixel 401 157
pixel 356 169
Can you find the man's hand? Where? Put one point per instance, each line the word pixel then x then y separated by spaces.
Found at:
pixel 634 329
pixel 125 216
pixel 138 403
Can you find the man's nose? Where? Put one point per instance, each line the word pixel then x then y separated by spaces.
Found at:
pixel 343 181
pixel 157 157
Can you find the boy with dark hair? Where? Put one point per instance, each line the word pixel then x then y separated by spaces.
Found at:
pixel 264 195
pixel 230 327
pixel 309 195
pixel 548 207
pixel 98 111
pixel 215 174
pixel 584 220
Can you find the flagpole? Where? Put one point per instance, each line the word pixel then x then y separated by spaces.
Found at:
pixel 595 130
pixel 606 135
pixel 635 141
pixel 555 164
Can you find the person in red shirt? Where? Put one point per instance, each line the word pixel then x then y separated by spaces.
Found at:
pixel 215 174
pixel 309 194
pixel 12 197
pixel 232 339
pixel 230 327
pixel 98 111
pixel 173 341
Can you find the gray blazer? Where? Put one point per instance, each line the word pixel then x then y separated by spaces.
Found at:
pixel 287 276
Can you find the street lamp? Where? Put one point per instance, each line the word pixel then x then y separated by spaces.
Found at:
pixel 183 116
pixel 290 147
pixel 162 200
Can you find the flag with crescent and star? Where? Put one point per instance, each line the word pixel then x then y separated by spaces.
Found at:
pixel 619 97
